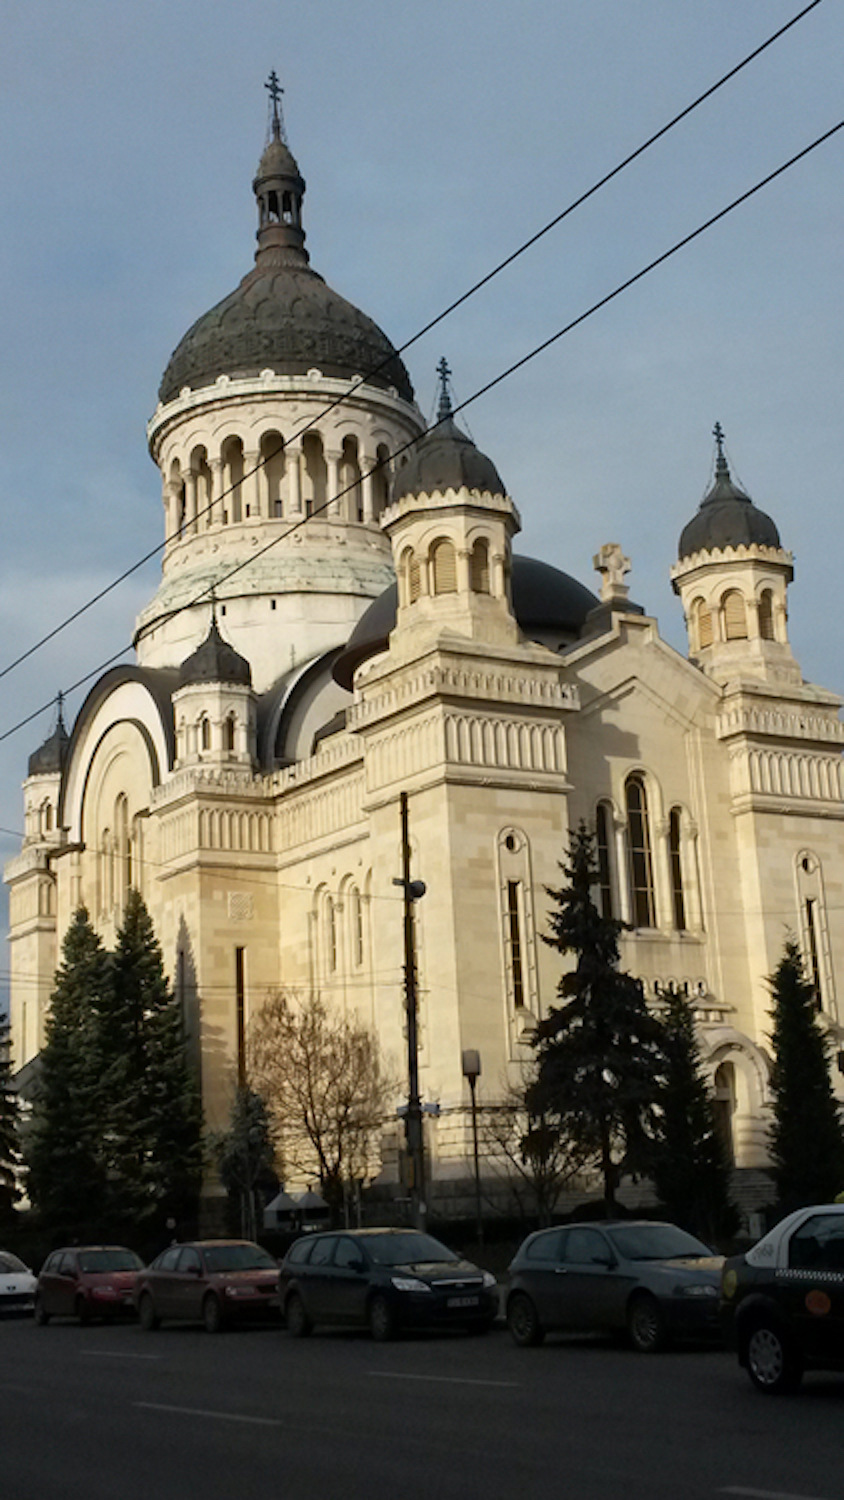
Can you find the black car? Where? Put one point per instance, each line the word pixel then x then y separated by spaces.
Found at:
pixel 782 1302
pixel 386 1279
pixel 652 1280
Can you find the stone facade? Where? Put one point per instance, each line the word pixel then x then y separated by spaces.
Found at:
pixel 259 817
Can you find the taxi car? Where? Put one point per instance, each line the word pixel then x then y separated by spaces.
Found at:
pixel 782 1303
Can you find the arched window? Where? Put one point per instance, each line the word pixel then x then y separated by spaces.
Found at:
pixel 766 615
pixel 229 734
pixel 603 826
pixel 515 901
pixel 735 616
pixel 123 865
pixel 676 865
pixel 204 733
pixel 314 473
pixel 350 481
pixel 233 477
pixel 414 578
pixel 702 615
pixel 444 567
pixel 356 903
pixel 272 466
pixel 724 1106
pixel 331 934
pixel 814 931
pixel 480 568
pixel 639 846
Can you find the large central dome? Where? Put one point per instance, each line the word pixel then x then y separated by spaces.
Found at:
pixel 283 317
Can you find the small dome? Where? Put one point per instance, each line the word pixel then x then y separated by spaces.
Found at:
pixel 545 600
pixel 446 459
pixel 727 517
pixel 215 661
pixel 51 756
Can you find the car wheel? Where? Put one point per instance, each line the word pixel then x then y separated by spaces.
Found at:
pixel 147 1315
pixel 82 1310
pixel 383 1324
pixel 40 1314
pixel 212 1315
pixel 299 1324
pixel 646 1325
pixel 523 1321
pixel 771 1363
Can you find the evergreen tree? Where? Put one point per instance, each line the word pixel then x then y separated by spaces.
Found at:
pixel 9 1151
pixel 600 1060
pixel 806 1139
pixel 244 1155
pixel 691 1168
pixel 64 1141
pixel 150 1098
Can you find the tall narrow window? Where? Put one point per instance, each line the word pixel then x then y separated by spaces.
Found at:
pixel 480 568
pixel 724 1105
pixel 641 862
pixel 703 623
pixel 735 616
pixel 766 615
pixel 514 929
pixel 676 864
pixel 444 560
pixel 228 733
pixel 331 933
pixel 602 829
pixel 812 936
pixel 240 1003
pixel 357 927
pixel 205 734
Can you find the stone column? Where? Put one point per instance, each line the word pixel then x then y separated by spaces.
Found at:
pixel 294 462
pixel 332 464
pixel 219 507
pixel 621 869
pixel 190 501
pixel 251 486
pixel 464 579
pixel 498 577
pixel 368 489
pixel 172 489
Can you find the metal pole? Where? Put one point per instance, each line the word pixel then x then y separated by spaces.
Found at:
pixel 478 1210
pixel 413 1119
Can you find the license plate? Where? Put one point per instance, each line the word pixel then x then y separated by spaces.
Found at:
pixel 463 1301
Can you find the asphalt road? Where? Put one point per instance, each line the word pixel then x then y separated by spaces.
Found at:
pixel 105 1413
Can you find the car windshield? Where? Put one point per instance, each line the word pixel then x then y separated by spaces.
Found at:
pixel 655 1242
pixel 110 1260
pixel 406 1249
pixel 10 1262
pixel 238 1258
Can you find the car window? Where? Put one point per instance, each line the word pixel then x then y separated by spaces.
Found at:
pixel 583 1247
pixel 167 1260
pixel 67 1265
pixel 189 1260
pixel 347 1253
pixel 299 1252
pixel 109 1260
pixel 545 1247
pixel 10 1262
pixel 656 1242
pixel 407 1248
pixel 243 1256
pixel 52 1262
pixel 818 1245
pixel 323 1250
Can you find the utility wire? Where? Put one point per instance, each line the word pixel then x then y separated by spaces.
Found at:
pixel 433 323
pixel 490 385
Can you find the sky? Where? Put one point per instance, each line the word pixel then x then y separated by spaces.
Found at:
pixel 434 139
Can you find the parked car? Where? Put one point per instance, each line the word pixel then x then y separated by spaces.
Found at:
pixel 383 1279
pixel 216 1282
pixel 87 1281
pixel 17 1284
pixel 654 1281
pixel 782 1302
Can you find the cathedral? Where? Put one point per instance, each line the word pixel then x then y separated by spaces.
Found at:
pixel 342 619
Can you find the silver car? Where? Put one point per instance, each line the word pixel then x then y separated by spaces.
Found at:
pixel 653 1281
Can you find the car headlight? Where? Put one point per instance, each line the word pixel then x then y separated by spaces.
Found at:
pixel 489 1281
pixel 409 1284
pixel 696 1289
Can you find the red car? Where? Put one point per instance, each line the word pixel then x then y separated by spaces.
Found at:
pixel 87 1281
pixel 217 1282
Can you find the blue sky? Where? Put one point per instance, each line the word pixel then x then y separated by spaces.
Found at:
pixel 434 139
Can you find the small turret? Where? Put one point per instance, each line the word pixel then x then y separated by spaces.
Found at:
pixel 214 705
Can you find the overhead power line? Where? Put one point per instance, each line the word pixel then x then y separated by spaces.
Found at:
pixel 433 323
pixel 482 391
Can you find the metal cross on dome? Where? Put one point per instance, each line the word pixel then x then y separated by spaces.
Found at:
pixel 275 91
pixel 444 372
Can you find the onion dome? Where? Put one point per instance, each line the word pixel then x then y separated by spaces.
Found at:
pixel 446 458
pixel 727 516
pixel 282 317
pixel 50 757
pixel 546 601
pixel 215 661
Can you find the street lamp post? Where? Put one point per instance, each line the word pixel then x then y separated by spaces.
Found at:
pixel 472 1072
pixel 413 890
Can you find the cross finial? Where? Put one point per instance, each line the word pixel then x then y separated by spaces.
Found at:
pixel 59 706
pixel 213 605
pixel 720 461
pixel 444 372
pixel 612 565
pixel 275 92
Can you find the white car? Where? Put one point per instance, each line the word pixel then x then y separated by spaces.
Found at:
pixel 17 1285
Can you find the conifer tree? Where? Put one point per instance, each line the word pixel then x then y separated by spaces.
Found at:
pixel 806 1140
pixel 691 1168
pixel 245 1155
pixel 600 1060
pixel 64 1145
pixel 9 1149
pixel 150 1097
